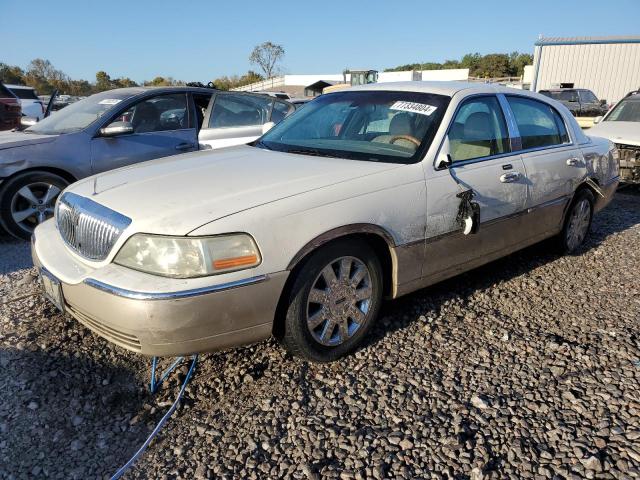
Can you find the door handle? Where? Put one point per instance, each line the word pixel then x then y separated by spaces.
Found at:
pixel 572 162
pixel 510 177
pixel 184 146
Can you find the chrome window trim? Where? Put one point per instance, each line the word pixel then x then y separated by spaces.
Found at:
pixel 133 295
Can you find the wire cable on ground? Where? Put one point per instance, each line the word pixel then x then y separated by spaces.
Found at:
pixel 163 420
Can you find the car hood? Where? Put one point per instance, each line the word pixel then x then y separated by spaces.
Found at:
pixel 20 139
pixel 627 133
pixel 178 194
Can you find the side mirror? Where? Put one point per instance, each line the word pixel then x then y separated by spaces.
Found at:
pixel 28 121
pixel 444 156
pixel 597 120
pixel 603 102
pixel 116 128
pixel 267 126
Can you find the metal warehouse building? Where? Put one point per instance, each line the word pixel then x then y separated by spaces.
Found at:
pixel 609 66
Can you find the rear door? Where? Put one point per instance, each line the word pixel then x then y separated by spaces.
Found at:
pixel 553 164
pixel 483 159
pixel 162 124
pixel 237 119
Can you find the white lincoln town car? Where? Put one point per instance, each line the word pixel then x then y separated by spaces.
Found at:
pixel 364 194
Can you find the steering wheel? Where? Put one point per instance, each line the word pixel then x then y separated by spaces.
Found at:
pixel 409 138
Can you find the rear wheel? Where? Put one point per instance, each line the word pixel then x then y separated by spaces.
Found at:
pixel 27 200
pixel 577 222
pixel 334 301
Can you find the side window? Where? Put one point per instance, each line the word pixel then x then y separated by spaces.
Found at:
pixel 158 114
pixel 478 130
pixel 280 110
pixel 230 110
pixel 588 96
pixel 538 123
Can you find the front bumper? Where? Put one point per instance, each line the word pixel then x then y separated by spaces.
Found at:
pixel 179 322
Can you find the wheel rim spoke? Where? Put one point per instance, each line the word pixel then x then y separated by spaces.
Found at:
pixel 363 293
pixel 345 269
pixel 329 275
pixel 316 319
pixel 22 215
pixel 26 192
pixel 52 192
pixel 356 314
pixel 358 276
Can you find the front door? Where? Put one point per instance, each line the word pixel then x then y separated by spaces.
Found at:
pixel 479 148
pixel 161 125
pixel 235 119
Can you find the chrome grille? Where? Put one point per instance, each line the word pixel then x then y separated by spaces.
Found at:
pixel 89 228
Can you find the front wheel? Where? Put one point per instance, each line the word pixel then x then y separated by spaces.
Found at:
pixel 334 301
pixel 27 200
pixel 577 222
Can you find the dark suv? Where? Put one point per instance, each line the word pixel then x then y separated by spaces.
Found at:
pixel 10 109
pixel 580 101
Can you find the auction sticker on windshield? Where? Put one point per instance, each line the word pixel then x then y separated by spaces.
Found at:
pixel 109 101
pixel 414 107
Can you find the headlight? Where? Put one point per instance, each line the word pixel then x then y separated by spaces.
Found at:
pixel 188 257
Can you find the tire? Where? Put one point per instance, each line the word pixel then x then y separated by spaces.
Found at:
pixel 577 222
pixel 339 328
pixel 31 193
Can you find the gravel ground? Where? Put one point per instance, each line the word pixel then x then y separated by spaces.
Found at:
pixel 526 368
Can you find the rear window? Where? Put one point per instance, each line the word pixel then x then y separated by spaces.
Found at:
pixel 25 93
pixel 563 96
pixel 5 93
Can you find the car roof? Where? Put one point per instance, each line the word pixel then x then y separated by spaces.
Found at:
pixel 26 87
pixel 163 89
pixel 448 88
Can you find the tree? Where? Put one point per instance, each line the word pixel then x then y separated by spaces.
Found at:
pixel 228 83
pixel 103 81
pixel 266 56
pixel 11 74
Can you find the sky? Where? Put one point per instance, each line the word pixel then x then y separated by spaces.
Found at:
pixel 199 40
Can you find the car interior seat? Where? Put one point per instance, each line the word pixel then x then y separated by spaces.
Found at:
pixel 476 140
pixel 146 118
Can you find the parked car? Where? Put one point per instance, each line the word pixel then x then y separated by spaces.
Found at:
pixel 31 105
pixel 117 128
pixel 299 102
pixel 581 102
pixel 621 125
pixel 10 109
pixel 280 95
pixel 353 199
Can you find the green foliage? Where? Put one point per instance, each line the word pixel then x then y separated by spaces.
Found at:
pixel 234 81
pixel 11 74
pixel 490 66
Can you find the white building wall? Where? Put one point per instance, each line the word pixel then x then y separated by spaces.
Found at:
pixel 404 76
pixel 460 74
pixel 611 70
pixel 305 80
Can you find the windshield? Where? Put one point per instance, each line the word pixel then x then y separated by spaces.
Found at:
pixel 381 126
pixel 79 115
pixel 628 110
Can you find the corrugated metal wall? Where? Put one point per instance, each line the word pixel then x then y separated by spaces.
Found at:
pixel 611 70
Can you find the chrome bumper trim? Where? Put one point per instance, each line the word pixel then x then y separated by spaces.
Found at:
pixel 121 292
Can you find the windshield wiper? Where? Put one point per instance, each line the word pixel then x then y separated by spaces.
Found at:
pixel 312 152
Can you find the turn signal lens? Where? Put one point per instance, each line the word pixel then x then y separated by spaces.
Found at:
pixel 235 262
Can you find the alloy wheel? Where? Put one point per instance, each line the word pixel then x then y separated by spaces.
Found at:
pixel 33 204
pixel 578 224
pixel 339 300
